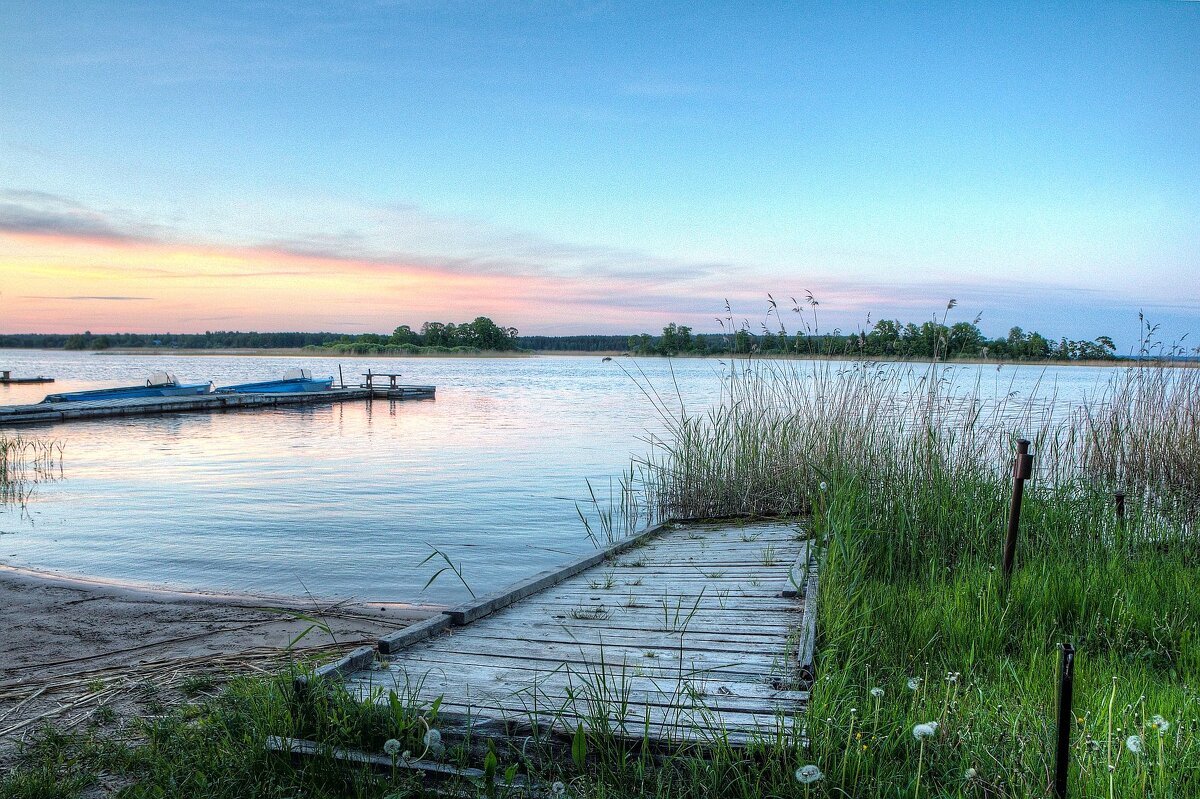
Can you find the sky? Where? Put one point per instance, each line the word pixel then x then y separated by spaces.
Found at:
pixel 598 168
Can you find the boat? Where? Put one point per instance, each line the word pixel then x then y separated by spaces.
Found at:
pixel 295 381
pixel 159 384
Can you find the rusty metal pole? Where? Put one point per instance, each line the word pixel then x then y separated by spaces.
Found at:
pixel 1022 471
pixel 1066 719
pixel 1120 500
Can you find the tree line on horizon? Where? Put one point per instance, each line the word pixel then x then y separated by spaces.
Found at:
pixel 886 339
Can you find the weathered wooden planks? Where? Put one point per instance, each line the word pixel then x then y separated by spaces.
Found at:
pixel 478 608
pixel 683 633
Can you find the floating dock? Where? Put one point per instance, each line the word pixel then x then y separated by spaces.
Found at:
pixel 53 412
pixel 686 633
pixel 6 379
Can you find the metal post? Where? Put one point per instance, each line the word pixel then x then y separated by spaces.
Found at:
pixel 1022 471
pixel 1120 499
pixel 341 380
pixel 1066 718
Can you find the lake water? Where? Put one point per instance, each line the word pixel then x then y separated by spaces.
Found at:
pixel 346 500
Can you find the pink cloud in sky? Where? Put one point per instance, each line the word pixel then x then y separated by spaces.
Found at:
pixel 57 282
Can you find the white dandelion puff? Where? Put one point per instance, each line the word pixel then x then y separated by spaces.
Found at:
pixel 807 775
pixel 914 683
pixel 1160 724
pixel 1134 744
pixel 877 692
pixel 824 485
pixel 433 738
pixel 970 774
pixel 391 747
pixel 558 789
pixel 926 730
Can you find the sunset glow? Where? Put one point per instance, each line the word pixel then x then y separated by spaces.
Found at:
pixel 564 171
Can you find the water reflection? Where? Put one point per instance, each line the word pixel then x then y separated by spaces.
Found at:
pixel 347 500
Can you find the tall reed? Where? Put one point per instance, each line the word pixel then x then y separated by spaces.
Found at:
pixel 25 462
pixel 1143 436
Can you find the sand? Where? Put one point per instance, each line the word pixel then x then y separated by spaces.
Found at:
pixel 71 647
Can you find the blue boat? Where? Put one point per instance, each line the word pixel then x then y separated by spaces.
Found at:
pixel 294 381
pixel 160 384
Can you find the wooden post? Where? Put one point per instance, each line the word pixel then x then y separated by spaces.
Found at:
pixel 1120 501
pixel 341 380
pixel 1022 471
pixel 1066 718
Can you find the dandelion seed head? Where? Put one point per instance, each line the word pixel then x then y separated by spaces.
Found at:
pixel 391 747
pixel 926 730
pixel 558 789
pixel 877 692
pixel 1134 744
pixel 824 485
pixel 1160 724
pixel 433 738
pixel 914 683
pixel 970 774
pixel 807 775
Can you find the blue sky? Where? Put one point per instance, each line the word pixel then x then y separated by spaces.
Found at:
pixel 604 167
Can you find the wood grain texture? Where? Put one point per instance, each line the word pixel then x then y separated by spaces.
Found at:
pixel 680 634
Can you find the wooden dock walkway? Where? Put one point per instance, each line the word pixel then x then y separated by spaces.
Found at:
pixel 53 412
pixel 688 633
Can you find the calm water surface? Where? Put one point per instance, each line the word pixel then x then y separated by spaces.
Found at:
pixel 347 499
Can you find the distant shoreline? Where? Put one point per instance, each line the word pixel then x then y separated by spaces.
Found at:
pixel 298 352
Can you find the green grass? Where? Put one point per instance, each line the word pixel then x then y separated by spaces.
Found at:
pixel 1129 606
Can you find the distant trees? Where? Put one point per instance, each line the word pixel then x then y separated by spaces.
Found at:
pixel 480 334
pixel 965 340
pixel 888 338
pixel 86 341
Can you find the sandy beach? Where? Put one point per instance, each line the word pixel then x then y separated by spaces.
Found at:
pixel 71 648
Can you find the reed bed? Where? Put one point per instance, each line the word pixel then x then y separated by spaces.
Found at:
pixel 24 462
pixel 1144 436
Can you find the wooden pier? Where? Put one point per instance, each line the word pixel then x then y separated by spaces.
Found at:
pixel 6 379
pixel 53 412
pixel 688 633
